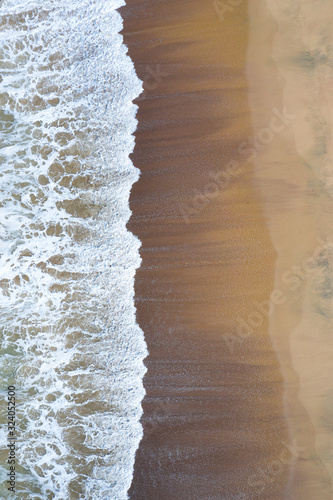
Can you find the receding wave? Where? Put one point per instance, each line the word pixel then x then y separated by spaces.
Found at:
pixel 69 341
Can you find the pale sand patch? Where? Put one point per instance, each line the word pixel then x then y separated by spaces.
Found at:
pixel 289 67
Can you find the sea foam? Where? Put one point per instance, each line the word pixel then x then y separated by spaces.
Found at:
pixel 69 341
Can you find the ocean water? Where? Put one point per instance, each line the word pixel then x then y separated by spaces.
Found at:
pixel 68 337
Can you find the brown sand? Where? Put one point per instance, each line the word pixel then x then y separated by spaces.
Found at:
pixel 214 425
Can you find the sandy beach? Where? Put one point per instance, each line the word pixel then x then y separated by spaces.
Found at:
pixel 229 344
pixel 290 46
pixel 214 422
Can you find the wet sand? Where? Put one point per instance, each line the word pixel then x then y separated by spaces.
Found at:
pixel 214 413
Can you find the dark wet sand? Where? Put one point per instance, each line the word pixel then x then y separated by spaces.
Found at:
pixel 214 425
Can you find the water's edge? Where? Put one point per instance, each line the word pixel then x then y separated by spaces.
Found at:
pixel 69 339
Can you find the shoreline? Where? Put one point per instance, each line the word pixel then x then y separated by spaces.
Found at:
pixel 213 416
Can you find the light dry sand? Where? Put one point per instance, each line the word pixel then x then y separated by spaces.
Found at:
pixel 290 67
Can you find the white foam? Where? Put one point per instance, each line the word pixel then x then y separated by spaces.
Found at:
pixel 69 338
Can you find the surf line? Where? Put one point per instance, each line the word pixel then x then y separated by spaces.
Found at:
pixel 12 438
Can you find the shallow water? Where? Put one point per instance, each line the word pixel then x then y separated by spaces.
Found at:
pixel 69 341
